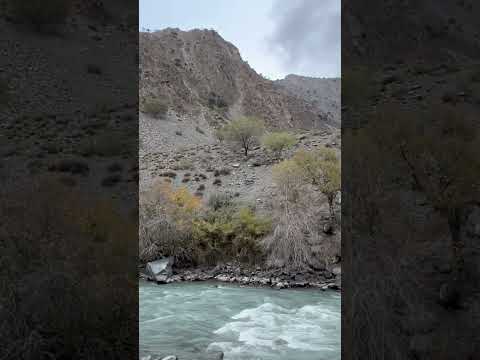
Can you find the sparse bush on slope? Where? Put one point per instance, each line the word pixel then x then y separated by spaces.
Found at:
pixel 277 142
pixel 154 107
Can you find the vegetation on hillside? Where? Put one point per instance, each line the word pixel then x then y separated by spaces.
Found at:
pixel 155 107
pixel 277 142
pixel 175 223
pixel 244 131
pixel 297 220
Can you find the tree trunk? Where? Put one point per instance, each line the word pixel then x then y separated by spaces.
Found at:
pixel 454 224
pixel 331 207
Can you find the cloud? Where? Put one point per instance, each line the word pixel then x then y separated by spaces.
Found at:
pixel 306 36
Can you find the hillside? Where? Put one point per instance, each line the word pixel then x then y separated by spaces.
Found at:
pixel 324 93
pixel 199 73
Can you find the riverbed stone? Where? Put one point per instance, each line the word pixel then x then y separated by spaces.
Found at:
pixel 159 267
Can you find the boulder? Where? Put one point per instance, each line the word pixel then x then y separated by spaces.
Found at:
pixel 337 270
pixel 328 228
pixel 162 267
pixel 215 355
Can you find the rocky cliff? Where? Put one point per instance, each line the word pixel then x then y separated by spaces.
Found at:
pixel 198 72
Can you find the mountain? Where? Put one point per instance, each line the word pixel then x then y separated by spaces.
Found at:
pixel 324 93
pixel 197 72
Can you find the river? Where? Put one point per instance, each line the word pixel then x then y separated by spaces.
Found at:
pixel 192 319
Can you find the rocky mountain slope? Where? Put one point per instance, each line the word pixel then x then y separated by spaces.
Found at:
pixel 198 73
pixel 322 92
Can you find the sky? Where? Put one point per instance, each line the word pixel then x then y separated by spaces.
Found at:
pixel 276 37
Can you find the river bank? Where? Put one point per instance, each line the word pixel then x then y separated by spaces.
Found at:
pixel 251 276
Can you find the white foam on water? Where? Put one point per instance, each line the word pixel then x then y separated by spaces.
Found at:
pixel 270 327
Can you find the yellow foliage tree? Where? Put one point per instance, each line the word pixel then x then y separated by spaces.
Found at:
pixel 321 168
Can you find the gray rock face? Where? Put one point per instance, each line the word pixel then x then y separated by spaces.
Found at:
pixel 159 269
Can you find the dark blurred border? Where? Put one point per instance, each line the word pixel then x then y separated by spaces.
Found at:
pixel 69 179
pixel 410 201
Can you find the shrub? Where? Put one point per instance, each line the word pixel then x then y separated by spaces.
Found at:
pixel 288 177
pixel 111 180
pixel 94 69
pixel 115 167
pixel 219 134
pixel 169 174
pixel 244 131
pixel 107 145
pixel 155 107
pixel 173 223
pixel 278 141
pixel 73 166
pixel 217 201
pixel 228 234
pixel 42 13
pixel 183 164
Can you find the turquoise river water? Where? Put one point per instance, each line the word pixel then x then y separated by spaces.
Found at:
pixel 192 320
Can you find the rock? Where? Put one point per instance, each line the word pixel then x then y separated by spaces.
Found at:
pixel 280 342
pixel 161 279
pixel 264 281
pixel 339 198
pixel 170 357
pixel 215 355
pixel 236 165
pixel 448 295
pixel 337 270
pixel 332 286
pixel 222 278
pixel 328 228
pixel 159 267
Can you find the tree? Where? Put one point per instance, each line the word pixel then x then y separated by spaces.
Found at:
pixel 245 131
pixel 287 176
pixel 438 149
pixel 322 169
pixel 446 171
pixel 276 142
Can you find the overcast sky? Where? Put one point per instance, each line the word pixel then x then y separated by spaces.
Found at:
pixel 276 37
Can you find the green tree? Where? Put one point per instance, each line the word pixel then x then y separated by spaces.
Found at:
pixel 321 168
pixel 276 142
pixel 245 131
